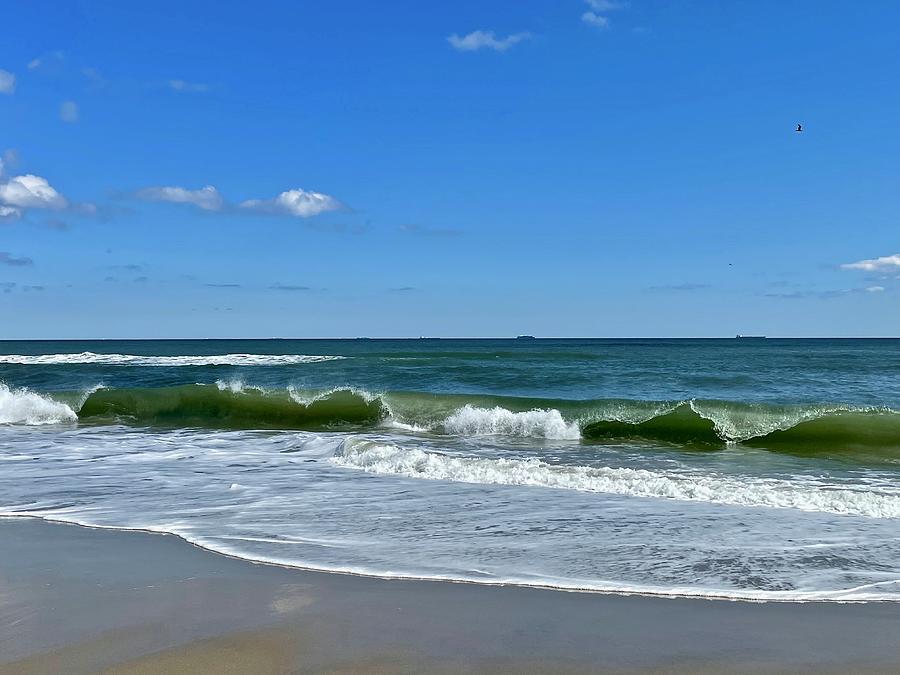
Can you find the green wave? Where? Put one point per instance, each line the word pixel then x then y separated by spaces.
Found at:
pixel 207 406
pixel 802 429
pixel 681 426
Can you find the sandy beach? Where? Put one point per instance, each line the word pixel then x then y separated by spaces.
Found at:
pixel 82 600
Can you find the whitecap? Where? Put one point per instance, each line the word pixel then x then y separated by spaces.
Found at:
pixel 164 361
pixel 473 421
pixel 390 459
pixel 21 406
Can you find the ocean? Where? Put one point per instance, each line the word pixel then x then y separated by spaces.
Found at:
pixel 746 469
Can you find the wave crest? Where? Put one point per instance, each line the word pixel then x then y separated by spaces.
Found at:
pixel 390 459
pixel 473 421
pixel 229 405
pixel 866 433
pixel 94 358
pixel 21 406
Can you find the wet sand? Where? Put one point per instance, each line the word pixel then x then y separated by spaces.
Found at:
pixel 80 600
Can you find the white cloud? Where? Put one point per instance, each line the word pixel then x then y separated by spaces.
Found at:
pixel 68 112
pixel 480 39
pixel 191 87
pixel 875 289
pixel 9 212
pixel 31 192
pixel 594 19
pixel 605 5
pixel 7 82
pixel 34 64
pixel 887 263
pixel 297 202
pixel 10 159
pixel 207 198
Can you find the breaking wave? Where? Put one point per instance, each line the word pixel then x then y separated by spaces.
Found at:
pixel 21 406
pixel 164 361
pixel 497 421
pixel 710 425
pixel 390 459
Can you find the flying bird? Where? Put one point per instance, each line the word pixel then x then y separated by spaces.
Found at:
pixel 799 128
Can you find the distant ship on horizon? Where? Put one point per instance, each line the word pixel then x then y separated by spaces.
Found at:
pixel 749 337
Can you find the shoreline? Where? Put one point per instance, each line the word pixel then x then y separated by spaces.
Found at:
pixel 660 595
pixel 132 601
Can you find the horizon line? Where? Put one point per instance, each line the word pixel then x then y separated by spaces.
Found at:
pixel 363 338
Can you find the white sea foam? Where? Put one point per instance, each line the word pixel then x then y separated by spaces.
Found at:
pixel 21 406
pixel 390 459
pixel 281 498
pixel 236 386
pixel 166 361
pixel 473 421
pixel 306 397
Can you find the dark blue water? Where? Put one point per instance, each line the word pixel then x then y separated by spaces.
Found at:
pixel 860 372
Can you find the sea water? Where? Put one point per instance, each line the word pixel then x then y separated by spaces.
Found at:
pixel 763 469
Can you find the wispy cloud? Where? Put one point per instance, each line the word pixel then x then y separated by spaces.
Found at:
pixel 402 289
pixel 222 285
pixel 189 87
pixel 594 19
pixel 54 58
pixel 68 112
pixel 887 263
pixel 481 39
pixel 297 202
pixel 824 295
pixel 289 287
pixel 206 198
pixel 12 261
pixel 7 82
pixel 596 15
pixel 95 79
pixel 605 5
pixel 9 159
pixel 10 286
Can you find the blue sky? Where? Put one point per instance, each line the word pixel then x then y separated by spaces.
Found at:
pixel 560 168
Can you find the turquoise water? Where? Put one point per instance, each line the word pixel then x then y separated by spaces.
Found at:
pixel 762 469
